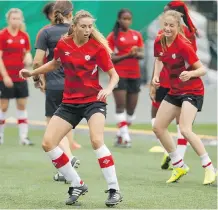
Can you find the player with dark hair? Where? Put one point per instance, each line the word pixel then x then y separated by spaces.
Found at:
pixel 128 48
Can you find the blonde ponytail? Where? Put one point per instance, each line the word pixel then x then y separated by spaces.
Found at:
pixel 98 36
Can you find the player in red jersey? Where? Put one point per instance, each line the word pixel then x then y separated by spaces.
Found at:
pixel 54 81
pixel 185 98
pixel 128 47
pixel 14 55
pixel 80 53
pixel 157 95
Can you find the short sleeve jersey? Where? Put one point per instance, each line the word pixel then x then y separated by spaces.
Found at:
pixel 13 50
pixel 179 57
pixel 81 69
pixel 127 68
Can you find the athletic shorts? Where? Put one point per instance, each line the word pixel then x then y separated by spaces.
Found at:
pixel 130 85
pixel 195 100
pixel 53 100
pixel 74 113
pixel 19 90
pixel 161 92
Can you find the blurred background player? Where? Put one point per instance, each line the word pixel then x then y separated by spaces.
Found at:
pixel 80 53
pixel 127 46
pixel 14 55
pixel 157 95
pixel 53 84
pixel 185 98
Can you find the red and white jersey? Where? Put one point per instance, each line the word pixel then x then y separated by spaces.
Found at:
pixel 127 68
pixel 80 68
pixel 164 74
pixel 179 57
pixel 14 49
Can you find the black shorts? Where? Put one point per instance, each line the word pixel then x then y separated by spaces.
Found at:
pixel 19 90
pixel 161 92
pixel 130 85
pixel 74 113
pixel 196 101
pixel 53 100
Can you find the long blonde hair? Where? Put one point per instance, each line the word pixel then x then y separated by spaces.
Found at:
pixel 16 10
pixel 177 16
pixel 98 36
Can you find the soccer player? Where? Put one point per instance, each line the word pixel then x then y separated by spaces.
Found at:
pixel 158 94
pixel 81 52
pixel 14 55
pixel 128 47
pixel 47 41
pixel 185 98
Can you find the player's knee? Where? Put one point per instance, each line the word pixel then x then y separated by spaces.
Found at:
pixel 4 108
pixel 97 141
pixel 185 131
pixel 47 143
pixel 157 129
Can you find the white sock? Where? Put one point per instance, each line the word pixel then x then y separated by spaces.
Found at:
pixel 152 124
pixel 176 160
pixel 63 165
pixel 2 123
pixel 206 162
pixel 130 119
pixel 106 163
pixel 22 123
pixel 123 127
pixel 181 143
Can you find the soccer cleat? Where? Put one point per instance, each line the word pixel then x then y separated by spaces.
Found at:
pixel 75 193
pixel 209 177
pixel 75 162
pixel 177 173
pixel 26 141
pixel 118 141
pixel 165 162
pixel 59 177
pixel 114 197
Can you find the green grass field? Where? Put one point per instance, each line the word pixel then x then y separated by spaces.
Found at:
pixel 26 177
pixel 203 129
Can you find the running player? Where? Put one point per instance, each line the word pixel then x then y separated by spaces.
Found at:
pixel 128 47
pixel 185 98
pixel 158 95
pixel 46 42
pixel 80 53
pixel 14 55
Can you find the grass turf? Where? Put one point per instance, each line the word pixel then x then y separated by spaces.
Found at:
pixel 26 177
pixel 203 129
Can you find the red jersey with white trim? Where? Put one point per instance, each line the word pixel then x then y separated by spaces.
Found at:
pixel 13 50
pixel 164 74
pixel 80 68
pixel 127 68
pixel 179 57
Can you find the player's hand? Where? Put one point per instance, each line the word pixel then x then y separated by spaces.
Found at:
pixel 104 93
pixel 152 93
pixel 156 82
pixel 185 76
pixel 8 82
pixel 24 73
pixel 42 84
